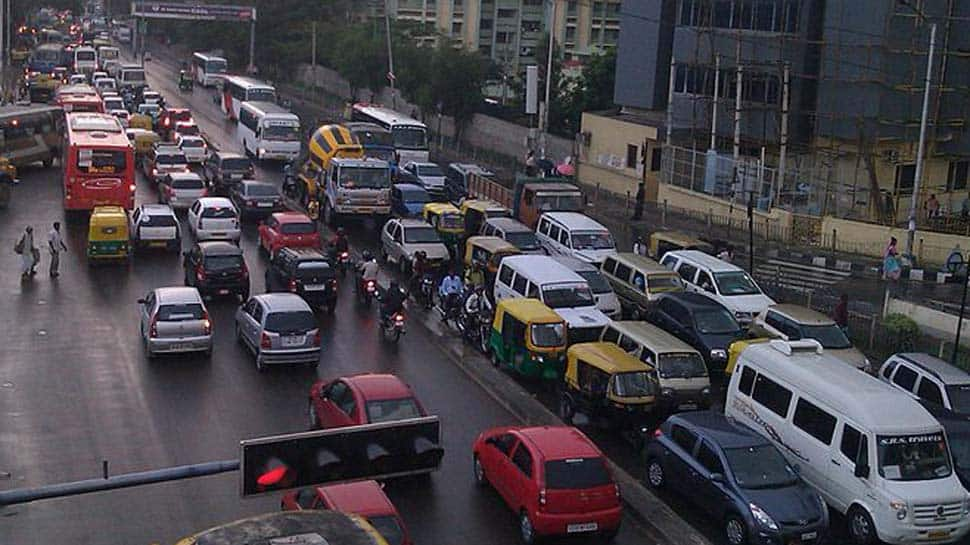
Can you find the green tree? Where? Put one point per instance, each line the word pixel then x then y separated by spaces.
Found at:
pixel 456 83
pixel 363 58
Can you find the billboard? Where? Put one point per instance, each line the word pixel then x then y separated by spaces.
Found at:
pixel 193 12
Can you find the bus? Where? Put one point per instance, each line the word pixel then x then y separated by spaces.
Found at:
pixel 79 98
pixel 109 59
pixel 30 134
pixel 45 58
pixel 98 163
pixel 410 135
pixel 239 89
pixel 208 70
pixel 376 140
pixel 268 131
pixel 85 60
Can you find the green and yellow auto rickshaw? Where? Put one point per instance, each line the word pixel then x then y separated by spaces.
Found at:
pixel 476 211
pixel 530 338
pixel 108 238
pixel 447 220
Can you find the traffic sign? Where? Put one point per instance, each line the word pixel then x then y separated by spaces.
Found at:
pixel 193 12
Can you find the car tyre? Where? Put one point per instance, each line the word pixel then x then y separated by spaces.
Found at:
pixel 566 409
pixel 527 532
pixel 862 531
pixel 735 531
pixel 480 478
pixel 655 477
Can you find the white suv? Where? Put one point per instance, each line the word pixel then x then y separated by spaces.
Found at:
pixel 727 284
pixel 929 379
pixel 155 226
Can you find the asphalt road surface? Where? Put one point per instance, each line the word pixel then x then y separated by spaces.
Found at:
pixel 76 389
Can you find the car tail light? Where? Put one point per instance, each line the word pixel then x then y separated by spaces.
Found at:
pixel 250 203
pixel 153 328
pixel 333 283
pixel 399 319
pixel 658 432
pixel 292 285
pixel 370 286
pixel 131 188
pixel 205 192
pixel 206 324
pixel 616 488
pixel 154 172
pixel 316 338
pixel 542 496
pixel 200 273
pixel 264 341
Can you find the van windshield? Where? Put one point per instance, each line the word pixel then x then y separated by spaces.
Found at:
pixel 596 282
pixel 959 395
pixel 592 241
pixel 284 133
pixel 364 178
pixel 560 203
pixel 635 384
pixel 913 457
pixel 547 335
pixel 523 240
pixel 735 283
pixel 686 365
pixel 567 297
pixel 759 467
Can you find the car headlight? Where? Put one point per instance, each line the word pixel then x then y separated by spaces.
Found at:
pixel 900 508
pixel 718 354
pixel 762 518
pixel 966 505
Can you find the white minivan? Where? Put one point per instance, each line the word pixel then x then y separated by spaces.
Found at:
pixel 576 235
pixel 543 278
pixel 871 451
pixel 724 282
pixel 85 60
pixel 606 299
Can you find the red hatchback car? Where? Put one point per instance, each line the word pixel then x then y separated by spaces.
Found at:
pixel 364 498
pixel 362 399
pixel 288 230
pixel 554 478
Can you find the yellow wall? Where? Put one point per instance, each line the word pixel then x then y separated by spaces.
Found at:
pixel 684 199
pixel 604 160
pixel 870 239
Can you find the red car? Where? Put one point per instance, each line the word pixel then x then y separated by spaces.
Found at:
pixel 364 498
pixel 168 119
pixel 554 478
pixel 288 230
pixel 362 399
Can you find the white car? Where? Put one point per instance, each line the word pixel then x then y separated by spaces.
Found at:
pixel 99 75
pixel 181 189
pixel 175 320
pixel 402 238
pixel 155 226
pixel 194 147
pixel 151 97
pixel 77 79
pixel 187 128
pixel 214 218
pixel 429 176
pixel 105 84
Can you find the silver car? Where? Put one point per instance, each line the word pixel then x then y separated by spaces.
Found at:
pixel 175 320
pixel 279 328
pixel 402 238
pixel 181 189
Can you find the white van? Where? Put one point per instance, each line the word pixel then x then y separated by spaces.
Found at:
pixel 85 60
pixel 871 451
pixel 109 59
pixel 562 290
pixel 576 235
pixel 724 282
pixel 268 131
pixel 132 76
pixel 606 299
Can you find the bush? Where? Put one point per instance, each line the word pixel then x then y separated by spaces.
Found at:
pixel 902 331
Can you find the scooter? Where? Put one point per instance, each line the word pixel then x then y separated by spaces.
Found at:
pixel 343 263
pixel 366 290
pixel 392 327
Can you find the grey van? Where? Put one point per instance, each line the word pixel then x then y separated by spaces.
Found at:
pixel 638 281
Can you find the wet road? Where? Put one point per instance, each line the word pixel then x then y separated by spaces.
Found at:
pixel 76 389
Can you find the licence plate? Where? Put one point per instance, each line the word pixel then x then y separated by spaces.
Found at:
pixel 218 234
pixel 809 536
pixel 314 287
pixel 578 528
pixel 365 210
pixel 938 534
pixel 178 346
pixel 687 406
pixel 223 292
pixel 294 340
pixel 158 244
pixel 264 204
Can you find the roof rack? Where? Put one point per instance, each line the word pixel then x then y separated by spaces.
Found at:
pixel 803 346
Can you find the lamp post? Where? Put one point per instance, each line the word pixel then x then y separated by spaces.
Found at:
pixel 956 264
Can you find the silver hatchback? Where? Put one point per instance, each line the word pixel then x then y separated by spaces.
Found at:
pixel 175 320
pixel 279 328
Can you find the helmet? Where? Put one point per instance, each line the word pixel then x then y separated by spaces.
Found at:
pixel 367 255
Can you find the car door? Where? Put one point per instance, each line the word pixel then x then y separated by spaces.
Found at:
pixel 339 406
pixel 145 313
pixel 495 458
pixel 193 217
pixel 386 237
pixel 266 232
pixel 679 454
pixel 398 241
pixel 520 489
pixel 904 378
pixel 249 323
pixel 850 449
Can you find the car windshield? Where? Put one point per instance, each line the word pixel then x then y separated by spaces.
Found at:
pixel 661 283
pixel 261 190
pixel 829 336
pixel 133 75
pixel 560 203
pixel 285 133
pixel 523 240
pixel 187 183
pixel 298 228
pixel 180 312
pixel 192 143
pixel 430 170
pixel 223 263
pixel 364 178
pixel 236 163
pixel 389 528
pixel 114 104
pixel 148 109
pixel 389 410
pixel 421 235
pixel 760 467
pixel 597 283
pixel 548 335
pixel 180 115
pixel 592 241
pixel 170 159
pixel 683 365
pixel 410 137
pixel 913 457
pixel 291 322
pixel 716 322
pixel 959 395
pixel 84 55
pixel 415 196
pixel 222 212
pixel 577 473
pixel 735 283
pixel 568 296
pixel 635 384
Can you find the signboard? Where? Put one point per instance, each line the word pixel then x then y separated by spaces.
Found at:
pixel 192 12
pixel 531 89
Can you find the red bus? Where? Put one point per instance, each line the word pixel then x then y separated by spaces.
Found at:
pixel 98 163
pixel 77 102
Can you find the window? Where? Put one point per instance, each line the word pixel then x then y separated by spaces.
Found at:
pixel 485 24
pixel 684 438
pixel 888 370
pixel 956 177
pixel 622 272
pixel 850 442
pixel 905 177
pixel 544 227
pixel 772 395
pixel 564 238
pixel 533 291
pixel 609 265
pixel 687 272
pixel 523 460
pixel 505 275
pixel 519 284
pixel 704 281
pixel 631 155
pixel 814 421
pixel 708 458
pixel 656 156
pixel 930 392
pixel 554 232
pixel 591 379
pixel 668 261
pixel 628 345
pixel 502 37
pixel 504 443
pixel 639 281
pixel 611 335
pixel 905 378
pixel 513 330
pixel 746 384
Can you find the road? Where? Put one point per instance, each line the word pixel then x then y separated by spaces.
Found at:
pixel 76 389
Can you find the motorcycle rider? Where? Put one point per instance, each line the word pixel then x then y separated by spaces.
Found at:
pixel 367 270
pixel 392 301
pixel 475 275
pixel 339 241
pixel 419 268
pixel 476 303
pixel 449 289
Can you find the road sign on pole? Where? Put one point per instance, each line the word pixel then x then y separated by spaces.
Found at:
pixel 192 12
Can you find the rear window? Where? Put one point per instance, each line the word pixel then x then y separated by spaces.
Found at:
pixel 148 220
pixel 224 212
pixel 94 161
pixel 220 263
pixel 314 269
pixel 235 163
pixel 298 228
pixel 170 159
pixel 187 183
pixel 180 313
pixel 577 473
pixel 192 143
pixel 298 321
pixel 261 190
pixel 389 410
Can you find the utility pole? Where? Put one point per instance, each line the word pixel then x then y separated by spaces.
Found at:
pixel 717 85
pixel 921 149
pixel 544 119
pixel 782 156
pixel 313 59
pixel 252 44
pixel 670 100
pixel 3 53
pixel 390 54
pixel 737 115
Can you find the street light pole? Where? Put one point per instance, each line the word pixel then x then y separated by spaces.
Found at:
pixel 921 150
pixel 544 120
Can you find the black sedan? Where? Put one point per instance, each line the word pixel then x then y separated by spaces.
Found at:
pixel 256 198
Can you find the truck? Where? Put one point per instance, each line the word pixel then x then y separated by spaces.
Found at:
pixel 529 197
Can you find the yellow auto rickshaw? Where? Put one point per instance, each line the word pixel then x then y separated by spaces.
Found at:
pixel 609 385
pixel 487 252
pixel 735 349
pixel 528 337
pixel 144 141
pixel 476 211
pixel 662 242
pixel 447 220
pixel 108 237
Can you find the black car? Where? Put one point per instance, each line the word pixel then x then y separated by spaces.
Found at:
pixel 738 477
pixel 256 198
pixel 957 428
pixel 699 321
pixel 223 170
pixel 217 268
pixel 305 272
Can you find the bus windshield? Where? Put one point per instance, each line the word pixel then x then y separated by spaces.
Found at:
pixel 215 66
pixel 286 133
pixel 101 161
pixel 364 178
pixel 261 95
pixel 410 137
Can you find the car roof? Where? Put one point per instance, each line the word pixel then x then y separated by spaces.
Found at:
pixel 721 430
pixel 215 202
pixel 106 210
pixel 508 224
pixel 608 357
pixel 157 209
pixel 305 254
pixel 254 182
pixel 291 217
pixel 322 526
pixel 576 221
pixel 641 262
pixel 575 264
pixel 219 247
pixel 229 155
pixel 410 188
pixel 705 260
pixel 542 268
pixel 936 367
pixel 184 176
pixel 423 164
pixel 365 498
pixel 801 315
pixel 282 302
pixel 559 442
pixel 379 386
pixel 693 300
pixel 177 294
pixel 659 340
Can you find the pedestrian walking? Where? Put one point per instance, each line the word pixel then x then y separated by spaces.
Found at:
pixel 726 254
pixel 932 207
pixel 841 313
pixel 891 248
pixel 55 244
pixel 29 255
pixel 639 247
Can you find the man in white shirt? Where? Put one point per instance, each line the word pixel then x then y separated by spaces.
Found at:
pixel 56 245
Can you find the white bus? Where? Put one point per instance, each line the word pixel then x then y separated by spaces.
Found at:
pixel 239 89
pixel 268 131
pixel 208 70
pixel 85 60
pixel 410 135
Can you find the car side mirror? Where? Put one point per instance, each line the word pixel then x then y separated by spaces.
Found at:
pixel 862 471
pixel 717 477
pixel 142 301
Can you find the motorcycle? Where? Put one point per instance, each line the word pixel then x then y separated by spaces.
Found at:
pixel 450 308
pixel 392 327
pixel 366 290
pixel 343 263
pixel 289 181
pixel 476 328
pixel 426 291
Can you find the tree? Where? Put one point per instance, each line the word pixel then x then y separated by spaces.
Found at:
pixel 456 83
pixel 363 58
pixel 590 91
